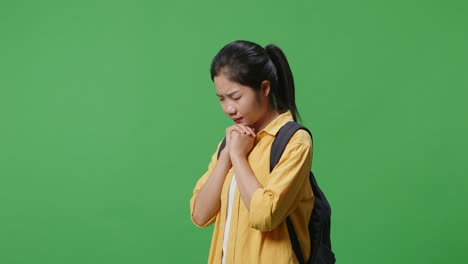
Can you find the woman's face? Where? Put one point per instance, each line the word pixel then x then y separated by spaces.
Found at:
pixel 241 103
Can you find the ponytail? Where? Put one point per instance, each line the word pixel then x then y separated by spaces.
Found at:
pixel 283 93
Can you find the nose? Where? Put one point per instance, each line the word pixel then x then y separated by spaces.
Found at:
pixel 230 109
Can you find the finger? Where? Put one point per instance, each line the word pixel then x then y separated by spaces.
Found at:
pixel 237 129
pixel 252 131
pixel 235 134
pixel 243 129
pixel 228 134
pixel 249 130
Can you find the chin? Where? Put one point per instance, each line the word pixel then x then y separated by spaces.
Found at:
pixel 245 122
pixel 251 125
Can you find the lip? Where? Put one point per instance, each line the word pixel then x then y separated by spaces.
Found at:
pixel 237 120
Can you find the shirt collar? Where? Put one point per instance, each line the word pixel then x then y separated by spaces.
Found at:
pixel 273 127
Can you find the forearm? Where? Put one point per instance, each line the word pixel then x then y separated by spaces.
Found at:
pixel 207 202
pixel 246 180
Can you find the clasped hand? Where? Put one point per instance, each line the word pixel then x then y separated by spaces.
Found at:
pixel 239 140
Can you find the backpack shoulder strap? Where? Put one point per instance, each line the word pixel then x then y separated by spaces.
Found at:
pixel 282 138
pixel 221 147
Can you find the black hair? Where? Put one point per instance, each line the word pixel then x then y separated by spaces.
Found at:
pixel 249 64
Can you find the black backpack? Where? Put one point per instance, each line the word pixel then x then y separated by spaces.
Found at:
pixel 319 223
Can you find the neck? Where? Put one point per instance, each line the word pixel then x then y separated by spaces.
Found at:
pixel 266 119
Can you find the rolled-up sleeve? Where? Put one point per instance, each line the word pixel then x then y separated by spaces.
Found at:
pixel 270 205
pixel 200 183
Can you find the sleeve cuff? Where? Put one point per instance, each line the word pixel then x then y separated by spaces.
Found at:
pixel 260 214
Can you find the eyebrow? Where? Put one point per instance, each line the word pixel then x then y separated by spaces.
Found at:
pixel 229 94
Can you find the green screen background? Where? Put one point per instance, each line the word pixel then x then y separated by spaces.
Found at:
pixel 108 117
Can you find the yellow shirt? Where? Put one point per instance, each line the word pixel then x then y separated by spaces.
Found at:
pixel 261 234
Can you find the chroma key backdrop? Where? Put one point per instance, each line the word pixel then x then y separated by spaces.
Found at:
pixel 108 117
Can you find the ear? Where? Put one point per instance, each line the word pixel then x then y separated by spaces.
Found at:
pixel 265 88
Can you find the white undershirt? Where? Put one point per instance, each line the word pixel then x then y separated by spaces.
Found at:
pixel 228 217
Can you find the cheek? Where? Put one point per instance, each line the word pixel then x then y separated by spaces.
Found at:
pixel 247 108
pixel 242 107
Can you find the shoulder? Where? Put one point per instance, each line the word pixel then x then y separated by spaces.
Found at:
pixel 301 137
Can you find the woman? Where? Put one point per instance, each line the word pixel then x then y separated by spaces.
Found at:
pixel 247 202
